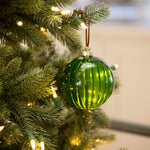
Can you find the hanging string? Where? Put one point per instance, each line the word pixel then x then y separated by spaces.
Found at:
pixel 87 35
pixel 87 31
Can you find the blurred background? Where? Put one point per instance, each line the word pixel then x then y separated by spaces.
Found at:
pixel 124 38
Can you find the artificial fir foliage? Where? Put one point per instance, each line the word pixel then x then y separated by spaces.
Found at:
pixel 32 116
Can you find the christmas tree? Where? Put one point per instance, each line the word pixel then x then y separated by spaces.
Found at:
pixel 34 114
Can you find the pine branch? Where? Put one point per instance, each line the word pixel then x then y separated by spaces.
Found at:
pixel 96 12
pixel 27 6
pixel 7 55
pixel 59 3
pixel 102 135
pixel 12 34
pixel 8 39
pixel 50 70
pixel 47 18
pixel 69 37
pixel 65 34
pixel 4 111
pixel 13 37
pixel 33 39
pixel 86 142
pixel 11 134
pixel 31 85
pixel 99 119
pixel 71 20
pixel 12 68
pixel 1 87
pixel 21 114
pixel 6 52
pixel 47 115
pixel 21 7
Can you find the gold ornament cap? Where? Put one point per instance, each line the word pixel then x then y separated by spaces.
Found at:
pixel 87 52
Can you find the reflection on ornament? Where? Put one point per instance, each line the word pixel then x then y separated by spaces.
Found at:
pixel 32 142
pixel 55 8
pixel 19 23
pixel 1 128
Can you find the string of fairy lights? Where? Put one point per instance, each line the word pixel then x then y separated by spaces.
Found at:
pixel 32 141
pixel 63 12
pixel 74 140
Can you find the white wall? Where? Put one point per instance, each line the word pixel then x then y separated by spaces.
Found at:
pixel 129 46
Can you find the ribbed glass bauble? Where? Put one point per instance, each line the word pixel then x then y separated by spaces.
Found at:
pixel 87 82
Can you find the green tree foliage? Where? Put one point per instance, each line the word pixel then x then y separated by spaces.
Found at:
pixel 30 72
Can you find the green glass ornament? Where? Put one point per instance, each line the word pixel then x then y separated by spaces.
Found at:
pixel 87 82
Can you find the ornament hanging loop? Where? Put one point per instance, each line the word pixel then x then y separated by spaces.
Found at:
pixel 87 30
pixel 81 13
pixel 87 35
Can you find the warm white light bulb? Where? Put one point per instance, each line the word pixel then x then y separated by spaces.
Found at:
pixel 1 128
pixel 116 66
pixel 19 23
pixel 42 29
pixel 92 149
pixel 54 92
pixel 42 145
pixel 29 104
pixel 32 144
pixel 59 27
pixel 52 89
pixel 83 25
pixel 65 12
pixel 54 95
pixel 55 8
